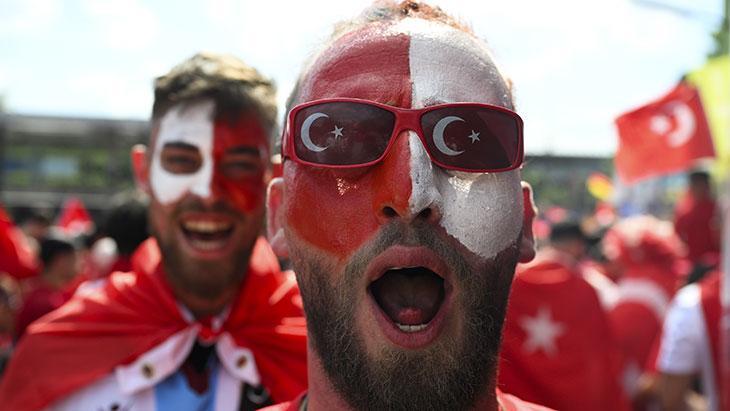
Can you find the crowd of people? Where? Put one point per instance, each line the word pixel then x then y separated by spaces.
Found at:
pixel 398 269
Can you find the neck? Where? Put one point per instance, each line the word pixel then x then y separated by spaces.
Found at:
pixel 204 306
pixel 322 396
pixel 53 280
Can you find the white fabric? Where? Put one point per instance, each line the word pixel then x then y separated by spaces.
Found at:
pixel 644 292
pixel 685 346
pixel 132 386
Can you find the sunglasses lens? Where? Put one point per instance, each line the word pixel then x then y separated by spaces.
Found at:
pixel 472 137
pixel 342 133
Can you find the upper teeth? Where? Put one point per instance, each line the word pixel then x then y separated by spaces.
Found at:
pixel 411 328
pixel 206 226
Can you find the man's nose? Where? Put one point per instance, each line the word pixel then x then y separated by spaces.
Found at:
pixel 405 183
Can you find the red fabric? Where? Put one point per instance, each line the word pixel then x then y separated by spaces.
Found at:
pixel 16 256
pixel 86 338
pixel 41 300
pixel 578 370
pixel 74 219
pixel 698 225
pixel 507 403
pixel 710 294
pixel 664 136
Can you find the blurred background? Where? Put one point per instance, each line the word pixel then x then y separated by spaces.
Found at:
pixel 76 81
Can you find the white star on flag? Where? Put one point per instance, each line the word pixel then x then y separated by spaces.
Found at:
pixel 541 332
pixel 474 136
pixel 337 132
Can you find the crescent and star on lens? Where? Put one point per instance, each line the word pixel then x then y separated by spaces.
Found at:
pixel 438 134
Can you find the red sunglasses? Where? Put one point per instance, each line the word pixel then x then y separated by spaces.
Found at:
pixel 348 133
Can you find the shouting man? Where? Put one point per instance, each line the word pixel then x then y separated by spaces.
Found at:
pixel 401 209
pixel 206 320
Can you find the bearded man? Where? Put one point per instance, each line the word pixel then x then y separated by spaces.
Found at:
pixel 401 209
pixel 206 320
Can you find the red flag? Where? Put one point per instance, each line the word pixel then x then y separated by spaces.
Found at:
pixel 17 258
pixel 664 136
pixel 74 218
pixel 557 345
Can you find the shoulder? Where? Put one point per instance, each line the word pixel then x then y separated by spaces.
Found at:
pixel 509 402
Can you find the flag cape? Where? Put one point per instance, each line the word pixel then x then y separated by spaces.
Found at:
pixel 88 337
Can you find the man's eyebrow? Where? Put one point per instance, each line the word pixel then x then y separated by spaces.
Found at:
pixel 244 150
pixel 180 145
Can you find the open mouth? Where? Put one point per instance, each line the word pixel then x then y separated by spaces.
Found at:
pixel 410 297
pixel 207 235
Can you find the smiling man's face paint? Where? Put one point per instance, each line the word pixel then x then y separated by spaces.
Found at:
pixel 399 260
pixel 207 178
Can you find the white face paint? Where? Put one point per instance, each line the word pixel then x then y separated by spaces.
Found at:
pixel 190 124
pixel 483 211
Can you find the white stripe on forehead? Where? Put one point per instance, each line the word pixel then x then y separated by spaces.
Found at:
pixel 482 211
pixel 447 63
pixel 190 124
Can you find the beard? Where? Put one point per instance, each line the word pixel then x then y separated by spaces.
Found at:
pixel 452 373
pixel 206 279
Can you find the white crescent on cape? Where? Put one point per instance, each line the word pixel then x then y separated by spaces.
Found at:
pixel 438 135
pixel 306 139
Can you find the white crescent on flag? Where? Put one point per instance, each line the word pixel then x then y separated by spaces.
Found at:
pixel 685 127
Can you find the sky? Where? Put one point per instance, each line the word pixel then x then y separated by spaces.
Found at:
pixel 575 64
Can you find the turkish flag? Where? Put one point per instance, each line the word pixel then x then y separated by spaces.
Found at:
pixel 557 346
pixel 664 136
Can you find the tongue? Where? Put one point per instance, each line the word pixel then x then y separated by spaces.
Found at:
pixel 410 296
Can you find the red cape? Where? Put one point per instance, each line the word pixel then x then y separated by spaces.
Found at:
pixel 577 366
pixel 86 338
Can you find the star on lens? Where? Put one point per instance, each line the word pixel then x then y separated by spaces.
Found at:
pixel 474 136
pixel 337 132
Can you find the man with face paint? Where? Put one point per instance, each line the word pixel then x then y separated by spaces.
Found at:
pixel 402 211
pixel 206 320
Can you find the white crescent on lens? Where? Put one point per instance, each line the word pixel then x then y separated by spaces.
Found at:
pixel 686 124
pixel 306 139
pixel 438 135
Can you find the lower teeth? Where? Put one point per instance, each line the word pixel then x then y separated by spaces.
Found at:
pixel 411 328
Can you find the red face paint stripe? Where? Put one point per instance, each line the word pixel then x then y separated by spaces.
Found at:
pixel 371 63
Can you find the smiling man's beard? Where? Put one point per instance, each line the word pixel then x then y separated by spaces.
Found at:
pixel 206 279
pixel 450 374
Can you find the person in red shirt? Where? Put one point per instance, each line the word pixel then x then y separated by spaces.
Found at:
pixel 206 319
pixel 403 214
pixel 697 222
pixel 51 290
pixel 558 347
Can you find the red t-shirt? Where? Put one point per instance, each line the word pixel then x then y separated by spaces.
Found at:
pixel 40 301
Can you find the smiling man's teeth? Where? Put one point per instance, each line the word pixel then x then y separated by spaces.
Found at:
pixel 411 328
pixel 206 226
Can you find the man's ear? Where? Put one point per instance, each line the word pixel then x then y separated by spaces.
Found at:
pixel 527 242
pixel 274 219
pixel 140 167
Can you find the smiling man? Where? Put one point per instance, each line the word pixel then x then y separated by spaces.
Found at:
pixel 401 209
pixel 206 320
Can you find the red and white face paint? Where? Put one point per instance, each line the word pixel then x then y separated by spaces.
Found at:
pixel 192 125
pixel 414 63
pixel 482 210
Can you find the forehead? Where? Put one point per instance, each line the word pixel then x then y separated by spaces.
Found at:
pixel 195 123
pixel 411 63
